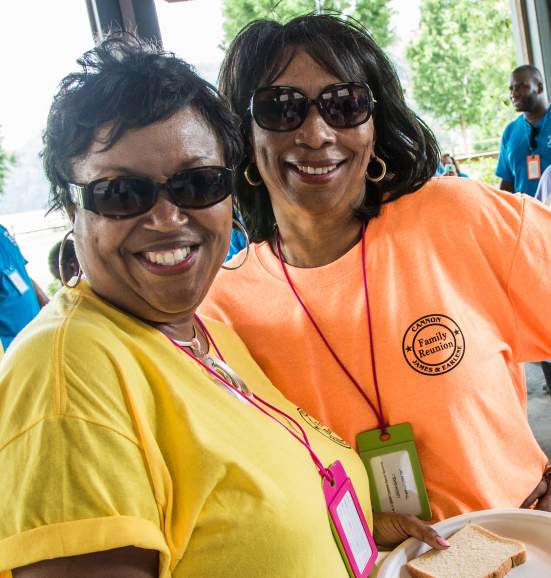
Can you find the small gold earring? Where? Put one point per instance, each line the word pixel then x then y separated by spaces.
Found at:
pixel 249 179
pixel 383 171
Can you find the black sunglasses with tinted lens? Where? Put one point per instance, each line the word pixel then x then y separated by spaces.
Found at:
pixel 126 196
pixel 534 132
pixel 284 108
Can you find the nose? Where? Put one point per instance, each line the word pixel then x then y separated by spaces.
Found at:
pixel 314 132
pixel 165 216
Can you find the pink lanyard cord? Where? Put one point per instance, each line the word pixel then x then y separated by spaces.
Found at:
pixel 379 413
pixel 324 472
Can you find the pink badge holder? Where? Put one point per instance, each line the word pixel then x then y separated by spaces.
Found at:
pixel 348 523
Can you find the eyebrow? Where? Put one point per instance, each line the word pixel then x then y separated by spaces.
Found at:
pixel 120 170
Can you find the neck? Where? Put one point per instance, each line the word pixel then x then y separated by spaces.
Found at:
pixel 539 112
pixel 186 331
pixel 181 330
pixel 314 240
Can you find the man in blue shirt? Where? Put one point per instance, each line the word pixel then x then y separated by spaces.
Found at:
pixel 20 298
pixel 526 142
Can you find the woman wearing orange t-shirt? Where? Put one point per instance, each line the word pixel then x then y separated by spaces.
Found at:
pixel 394 307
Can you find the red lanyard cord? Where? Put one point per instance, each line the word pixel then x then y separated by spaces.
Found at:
pixel 380 417
pixel 378 414
pixel 324 472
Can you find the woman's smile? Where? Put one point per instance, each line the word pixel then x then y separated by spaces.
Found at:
pixel 315 163
pixel 158 263
pixel 316 172
pixel 169 261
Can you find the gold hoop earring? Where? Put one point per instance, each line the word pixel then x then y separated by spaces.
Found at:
pixel 383 171
pixel 240 226
pixel 60 263
pixel 249 179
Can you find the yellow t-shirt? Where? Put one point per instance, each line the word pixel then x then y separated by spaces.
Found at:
pixel 459 279
pixel 110 436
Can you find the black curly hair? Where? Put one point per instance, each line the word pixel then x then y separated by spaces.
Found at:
pixel 343 47
pixel 127 83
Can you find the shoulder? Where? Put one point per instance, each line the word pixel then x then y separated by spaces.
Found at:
pixel 453 201
pixel 68 361
pixel 7 240
pixel 516 125
pixel 513 128
pixel 234 286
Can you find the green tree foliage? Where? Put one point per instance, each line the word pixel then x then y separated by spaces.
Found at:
pixel 6 161
pixel 375 15
pixel 461 62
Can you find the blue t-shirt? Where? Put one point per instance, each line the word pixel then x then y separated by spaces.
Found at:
pixel 237 243
pixel 18 300
pixel 515 148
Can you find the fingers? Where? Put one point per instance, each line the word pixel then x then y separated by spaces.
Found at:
pixel 391 529
pixel 544 503
pixel 422 531
pixel 387 530
pixel 539 491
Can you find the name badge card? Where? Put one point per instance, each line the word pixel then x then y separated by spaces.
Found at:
pixel 533 167
pixel 348 523
pixel 395 476
pixel 17 281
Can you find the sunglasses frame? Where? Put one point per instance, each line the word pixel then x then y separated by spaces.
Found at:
pixel 533 140
pixel 83 195
pixel 317 102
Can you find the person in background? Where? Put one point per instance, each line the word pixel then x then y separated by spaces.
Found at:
pixel 69 262
pixel 375 296
pixel 451 167
pixel 525 153
pixel 20 297
pixel 138 440
pixel 543 194
pixel 525 150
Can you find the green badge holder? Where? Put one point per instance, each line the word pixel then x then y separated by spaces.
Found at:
pixel 395 477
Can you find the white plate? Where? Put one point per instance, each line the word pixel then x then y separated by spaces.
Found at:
pixel 530 526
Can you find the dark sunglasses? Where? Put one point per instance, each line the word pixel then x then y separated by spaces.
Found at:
pixel 284 108
pixel 121 197
pixel 534 132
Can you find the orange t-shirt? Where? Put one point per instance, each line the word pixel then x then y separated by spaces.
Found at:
pixel 459 279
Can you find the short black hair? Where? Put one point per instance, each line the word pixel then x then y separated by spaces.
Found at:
pixel 128 83
pixel 262 51
pixel 535 72
pixel 70 261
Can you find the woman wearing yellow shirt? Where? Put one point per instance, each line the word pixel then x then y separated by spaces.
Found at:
pixel 128 447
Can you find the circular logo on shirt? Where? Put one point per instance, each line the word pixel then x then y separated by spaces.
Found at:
pixel 433 344
pixel 321 428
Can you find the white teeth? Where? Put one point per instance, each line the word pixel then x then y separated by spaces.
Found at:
pixel 172 257
pixel 316 170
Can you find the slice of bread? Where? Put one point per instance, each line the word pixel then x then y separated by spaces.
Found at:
pixel 474 552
